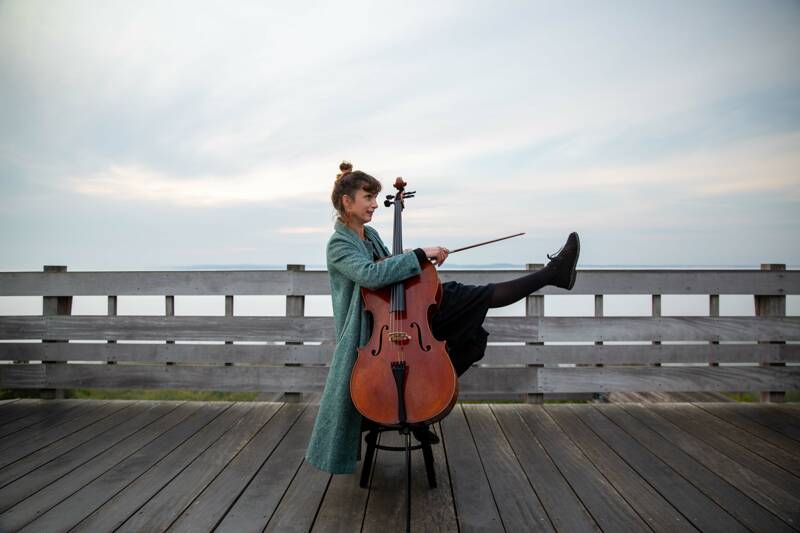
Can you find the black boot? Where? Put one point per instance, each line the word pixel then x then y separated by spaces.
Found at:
pixel 424 434
pixel 564 261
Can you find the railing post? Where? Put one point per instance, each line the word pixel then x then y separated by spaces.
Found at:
pixel 534 307
pixel 656 312
pixel 169 310
pixel 598 313
pixel 228 312
pixel 54 306
pixel 771 306
pixel 112 311
pixel 713 311
pixel 295 307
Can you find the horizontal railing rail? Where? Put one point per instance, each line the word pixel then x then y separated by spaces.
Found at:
pixel 58 350
pixel 316 282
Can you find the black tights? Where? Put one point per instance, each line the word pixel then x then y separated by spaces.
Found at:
pixel 508 292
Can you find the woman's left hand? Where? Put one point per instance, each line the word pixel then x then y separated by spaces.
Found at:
pixel 437 254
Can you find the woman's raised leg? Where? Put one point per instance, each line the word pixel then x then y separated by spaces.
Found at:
pixel 560 271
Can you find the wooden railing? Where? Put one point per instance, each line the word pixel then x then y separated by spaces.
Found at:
pixel 761 345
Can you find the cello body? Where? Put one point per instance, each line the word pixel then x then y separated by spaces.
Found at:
pixel 403 374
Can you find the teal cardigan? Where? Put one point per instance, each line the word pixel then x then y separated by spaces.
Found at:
pixel 337 430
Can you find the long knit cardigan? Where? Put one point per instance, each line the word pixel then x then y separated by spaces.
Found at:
pixel 334 441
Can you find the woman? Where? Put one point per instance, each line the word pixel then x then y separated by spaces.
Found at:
pixel 352 252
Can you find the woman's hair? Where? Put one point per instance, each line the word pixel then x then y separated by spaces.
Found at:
pixel 349 182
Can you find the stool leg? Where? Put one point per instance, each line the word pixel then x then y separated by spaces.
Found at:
pixel 408 481
pixel 372 438
pixel 427 453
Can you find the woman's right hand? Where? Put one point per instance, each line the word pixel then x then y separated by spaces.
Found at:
pixel 437 254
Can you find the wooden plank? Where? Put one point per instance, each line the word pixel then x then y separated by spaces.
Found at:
pixel 762 490
pixel 585 329
pixel 772 453
pixel 298 507
pixel 22 376
pixel 261 378
pixel 385 509
pixel 589 281
pixel 735 502
pixel 36 416
pixel 518 504
pixel 174 497
pixel 663 498
pixel 694 422
pixel 638 354
pixel 231 378
pixel 771 419
pixel 116 422
pixel 312 329
pixel 496 355
pixel 432 509
pixel 127 502
pixel 481 381
pixel 722 378
pixel 476 509
pixel 652 507
pixel 20 408
pixel 256 505
pixel 182 328
pixel 565 510
pixel 38 436
pixel 791 410
pixel 607 507
pixel 261 354
pixel 342 509
pixel 209 508
pixel 68 499
pixel 26 481
pixel 387 490
pixel 159 283
pixel 731 414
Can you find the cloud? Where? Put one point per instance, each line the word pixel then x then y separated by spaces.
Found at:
pixel 522 118
pixel 304 230
pixel 140 184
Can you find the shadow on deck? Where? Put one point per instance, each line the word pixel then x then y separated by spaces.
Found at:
pixel 96 466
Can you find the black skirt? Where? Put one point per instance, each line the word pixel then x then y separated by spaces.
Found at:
pixel 459 321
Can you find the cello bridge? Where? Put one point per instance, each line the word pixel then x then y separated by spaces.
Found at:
pixel 399 337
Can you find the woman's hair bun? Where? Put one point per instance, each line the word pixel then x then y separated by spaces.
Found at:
pixel 345 167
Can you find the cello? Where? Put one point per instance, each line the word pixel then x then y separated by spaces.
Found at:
pixel 403 374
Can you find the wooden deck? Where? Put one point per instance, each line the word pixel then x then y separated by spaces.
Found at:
pixel 190 466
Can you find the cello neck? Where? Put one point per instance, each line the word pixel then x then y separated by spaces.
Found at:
pixel 397 241
pixel 398 300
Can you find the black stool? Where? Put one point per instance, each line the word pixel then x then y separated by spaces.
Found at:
pixel 372 445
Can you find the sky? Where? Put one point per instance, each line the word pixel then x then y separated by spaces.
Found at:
pixel 148 134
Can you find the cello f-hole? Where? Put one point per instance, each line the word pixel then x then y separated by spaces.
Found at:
pixel 380 341
pixel 426 348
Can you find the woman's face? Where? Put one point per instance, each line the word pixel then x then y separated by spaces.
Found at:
pixel 360 208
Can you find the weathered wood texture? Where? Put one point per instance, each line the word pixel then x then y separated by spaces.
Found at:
pixel 286 282
pixel 320 354
pixel 221 466
pixel 173 351
pixel 508 382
